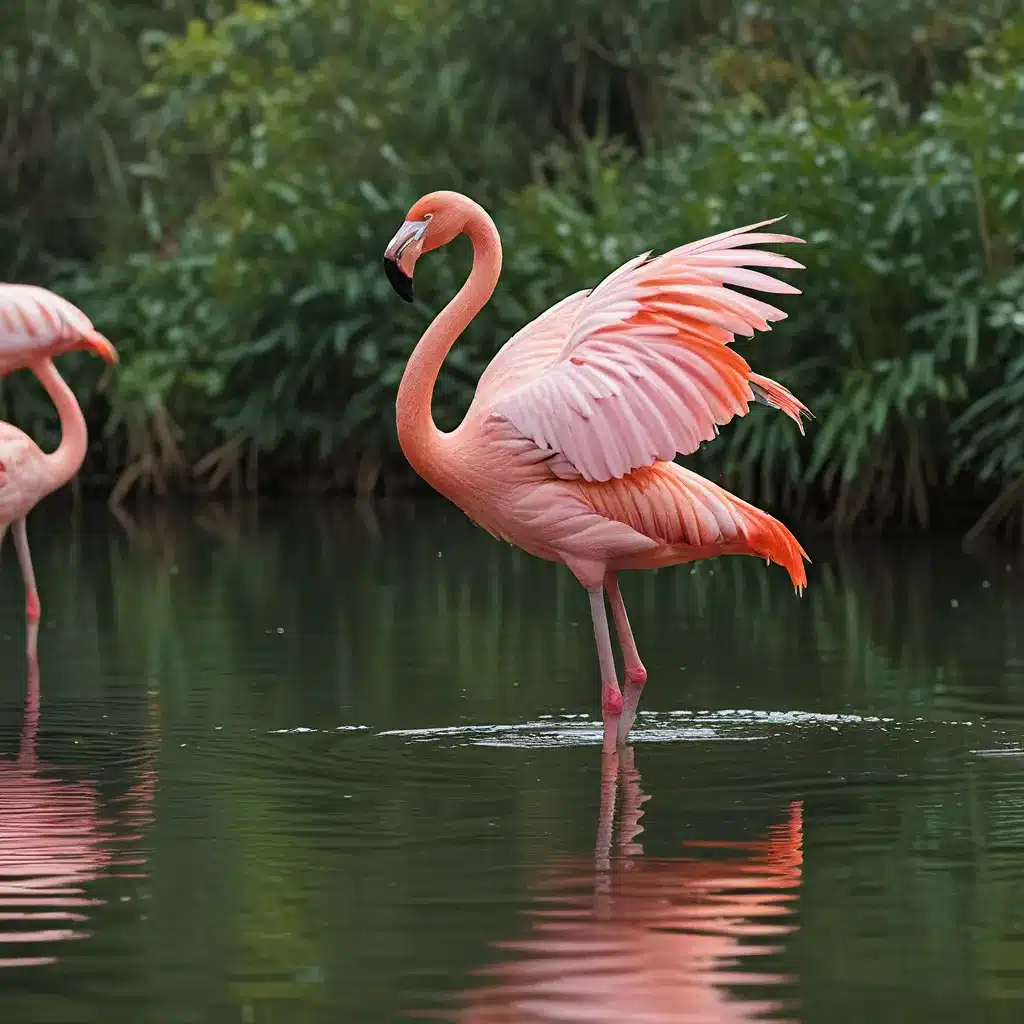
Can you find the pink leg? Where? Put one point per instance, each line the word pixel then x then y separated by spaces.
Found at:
pixel 32 653
pixel 32 608
pixel 636 674
pixel 611 695
pixel 635 671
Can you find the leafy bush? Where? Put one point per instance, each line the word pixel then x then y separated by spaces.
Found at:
pixel 271 149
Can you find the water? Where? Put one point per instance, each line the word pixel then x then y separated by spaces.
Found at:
pixel 328 764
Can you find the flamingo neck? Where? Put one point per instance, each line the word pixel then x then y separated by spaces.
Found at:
pixel 421 441
pixel 65 462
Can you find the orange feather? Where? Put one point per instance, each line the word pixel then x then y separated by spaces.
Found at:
pixel 692 518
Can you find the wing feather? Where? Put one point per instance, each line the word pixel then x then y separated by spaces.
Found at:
pixel 530 351
pixel 645 369
pixel 678 507
pixel 35 322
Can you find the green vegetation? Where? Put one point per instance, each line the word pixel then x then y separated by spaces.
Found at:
pixel 215 184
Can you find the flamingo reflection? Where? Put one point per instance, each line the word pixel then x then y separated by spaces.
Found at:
pixel 54 842
pixel 649 940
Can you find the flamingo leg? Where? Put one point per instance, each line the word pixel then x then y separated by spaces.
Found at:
pixel 611 695
pixel 635 671
pixel 32 607
pixel 636 674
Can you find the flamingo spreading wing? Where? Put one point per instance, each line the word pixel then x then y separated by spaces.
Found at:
pixel 645 371
pixel 567 447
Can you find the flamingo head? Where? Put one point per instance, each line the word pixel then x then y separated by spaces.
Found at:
pixel 432 222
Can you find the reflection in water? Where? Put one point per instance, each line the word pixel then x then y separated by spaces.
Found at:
pixel 343 829
pixel 54 841
pixel 649 940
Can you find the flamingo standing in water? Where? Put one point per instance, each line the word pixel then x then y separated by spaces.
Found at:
pixel 36 326
pixel 566 450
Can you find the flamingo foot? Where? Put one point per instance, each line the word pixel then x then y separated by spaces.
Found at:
pixel 33 609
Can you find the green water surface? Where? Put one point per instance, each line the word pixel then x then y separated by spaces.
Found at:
pixel 329 763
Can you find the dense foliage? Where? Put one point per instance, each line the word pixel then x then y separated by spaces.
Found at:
pixel 215 183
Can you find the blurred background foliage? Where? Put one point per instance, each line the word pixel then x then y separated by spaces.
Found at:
pixel 214 183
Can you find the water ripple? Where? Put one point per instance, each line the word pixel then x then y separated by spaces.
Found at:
pixel 56 840
pixel 651 727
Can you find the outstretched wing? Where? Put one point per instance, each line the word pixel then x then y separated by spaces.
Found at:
pixel 530 351
pixel 646 371
pixel 34 323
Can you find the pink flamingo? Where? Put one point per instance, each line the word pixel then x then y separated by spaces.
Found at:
pixel 648 939
pixel 36 326
pixel 566 448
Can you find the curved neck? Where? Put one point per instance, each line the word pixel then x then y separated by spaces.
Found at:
pixel 65 462
pixel 417 434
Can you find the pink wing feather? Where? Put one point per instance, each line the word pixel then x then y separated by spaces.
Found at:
pixel 34 323
pixel 531 350
pixel 645 370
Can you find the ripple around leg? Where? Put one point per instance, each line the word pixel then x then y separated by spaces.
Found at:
pixel 651 727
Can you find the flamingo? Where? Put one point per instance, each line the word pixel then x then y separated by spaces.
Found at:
pixel 35 326
pixel 566 450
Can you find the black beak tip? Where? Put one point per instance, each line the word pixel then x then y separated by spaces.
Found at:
pixel 400 281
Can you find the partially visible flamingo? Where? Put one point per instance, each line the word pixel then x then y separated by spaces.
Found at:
pixel 36 326
pixel 566 448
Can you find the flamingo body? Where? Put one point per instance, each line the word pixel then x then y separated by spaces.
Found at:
pixel 566 450
pixel 24 474
pixel 38 324
pixel 35 326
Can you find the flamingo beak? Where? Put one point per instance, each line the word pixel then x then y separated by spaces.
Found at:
pixel 401 255
pixel 95 343
pixel 400 280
